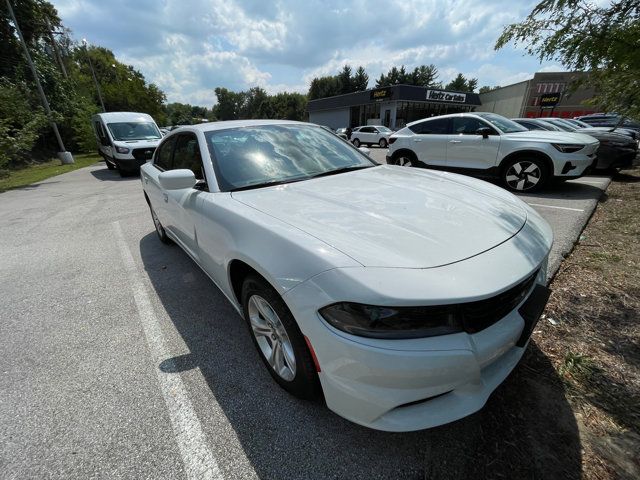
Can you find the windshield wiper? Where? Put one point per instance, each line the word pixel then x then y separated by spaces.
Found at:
pixel 266 184
pixel 341 170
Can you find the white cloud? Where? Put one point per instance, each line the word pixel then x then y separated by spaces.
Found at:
pixel 189 48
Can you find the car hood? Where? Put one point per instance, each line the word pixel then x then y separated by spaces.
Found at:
pixel 391 216
pixel 550 137
pixel 137 143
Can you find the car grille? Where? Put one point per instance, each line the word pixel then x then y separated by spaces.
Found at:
pixel 143 153
pixel 477 316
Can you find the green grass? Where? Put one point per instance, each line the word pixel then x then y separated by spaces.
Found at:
pixel 42 171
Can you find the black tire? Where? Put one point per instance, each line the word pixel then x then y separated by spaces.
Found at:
pixel 524 174
pixel 305 384
pixel 407 159
pixel 110 165
pixel 383 143
pixel 160 231
pixel 356 143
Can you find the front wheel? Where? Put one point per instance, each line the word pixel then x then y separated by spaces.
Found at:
pixel 110 165
pixel 277 337
pixel 524 175
pixel 356 143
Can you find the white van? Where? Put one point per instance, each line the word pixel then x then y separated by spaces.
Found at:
pixel 126 140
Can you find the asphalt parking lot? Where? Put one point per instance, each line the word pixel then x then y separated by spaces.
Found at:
pixel 121 359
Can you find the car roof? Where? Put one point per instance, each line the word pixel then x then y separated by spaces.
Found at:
pixel 124 116
pixel 225 124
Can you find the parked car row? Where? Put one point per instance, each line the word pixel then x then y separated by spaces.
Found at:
pixel 616 150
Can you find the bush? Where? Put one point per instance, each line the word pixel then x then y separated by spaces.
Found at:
pixel 20 124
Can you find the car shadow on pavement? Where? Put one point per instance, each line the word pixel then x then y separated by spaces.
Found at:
pixel 104 174
pixel 527 429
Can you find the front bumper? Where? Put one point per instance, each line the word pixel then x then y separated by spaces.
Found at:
pixel 412 384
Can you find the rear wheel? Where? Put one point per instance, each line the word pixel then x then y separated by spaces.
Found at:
pixel 162 234
pixel 277 337
pixel 524 175
pixel 383 143
pixel 356 143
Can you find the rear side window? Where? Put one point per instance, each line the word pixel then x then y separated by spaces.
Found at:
pixel 431 127
pixel 163 154
pixel 187 155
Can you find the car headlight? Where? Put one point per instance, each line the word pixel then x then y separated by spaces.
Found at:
pixel 122 150
pixel 568 147
pixel 392 322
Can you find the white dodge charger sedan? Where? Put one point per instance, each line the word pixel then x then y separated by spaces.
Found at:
pixel 402 297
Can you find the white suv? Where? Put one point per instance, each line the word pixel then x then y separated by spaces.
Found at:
pixel 489 144
pixel 371 135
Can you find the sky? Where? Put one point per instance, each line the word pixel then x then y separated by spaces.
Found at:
pixel 190 47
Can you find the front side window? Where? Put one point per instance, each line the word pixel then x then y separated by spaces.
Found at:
pixel 123 131
pixel 468 126
pixel 163 154
pixel 252 157
pixel 502 123
pixel 187 155
pixel 432 127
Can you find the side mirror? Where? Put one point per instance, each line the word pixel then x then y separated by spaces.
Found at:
pixel 105 142
pixel 364 150
pixel 484 131
pixel 177 179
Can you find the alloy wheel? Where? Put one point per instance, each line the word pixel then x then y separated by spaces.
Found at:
pixel 523 175
pixel 272 338
pixel 405 162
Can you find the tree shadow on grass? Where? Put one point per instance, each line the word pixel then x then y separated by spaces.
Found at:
pixel 527 429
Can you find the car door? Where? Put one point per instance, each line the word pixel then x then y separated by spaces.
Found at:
pixel 366 135
pixel 181 204
pixel 467 149
pixel 430 139
pixel 149 175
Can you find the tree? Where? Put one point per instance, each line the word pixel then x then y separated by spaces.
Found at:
pixel 462 84
pixel 584 36
pixel 487 88
pixel 425 76
pixel 230 104
pixel 344 77
pixel 360 80
pixel 324 87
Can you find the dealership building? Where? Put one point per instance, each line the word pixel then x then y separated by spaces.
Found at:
pixel 393 106
pixel 546 94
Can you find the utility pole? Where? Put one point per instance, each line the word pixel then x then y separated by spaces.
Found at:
pixel 95 79
pixel 56 52
pixel 64 156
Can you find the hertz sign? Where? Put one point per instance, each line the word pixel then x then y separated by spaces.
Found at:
pixel 381 94
pixel 549 100
pixel 441 96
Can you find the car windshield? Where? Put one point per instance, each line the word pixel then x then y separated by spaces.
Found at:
pixel 257 156
pixel 124 131
pixel 384 129
pixel 578 123
pixel 567 127
pixel 503 124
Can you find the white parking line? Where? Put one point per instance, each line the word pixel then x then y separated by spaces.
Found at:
pixel 558 208
pixel 199 462
pixel 591 182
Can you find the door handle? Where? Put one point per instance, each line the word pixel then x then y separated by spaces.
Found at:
pixel 417 139
pixel 166 197
pixel 455 141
